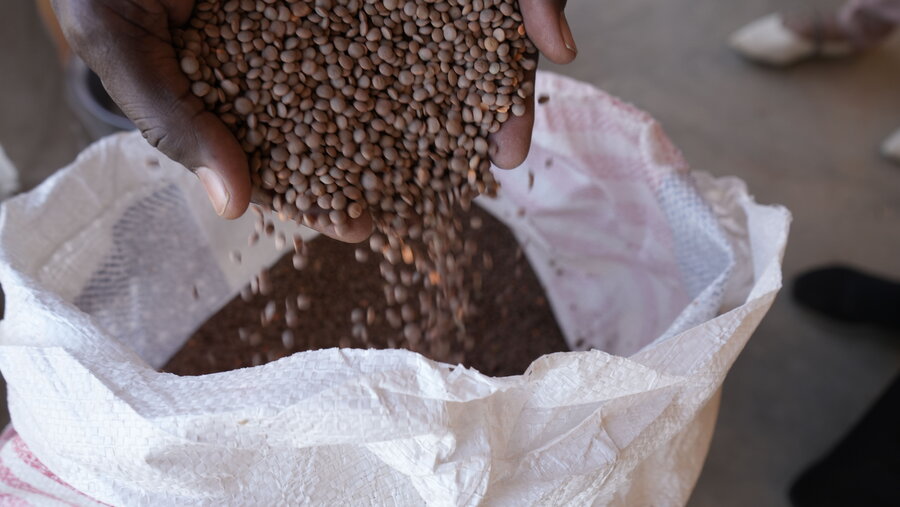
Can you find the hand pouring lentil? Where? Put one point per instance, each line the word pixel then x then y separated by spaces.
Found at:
pixel 376 107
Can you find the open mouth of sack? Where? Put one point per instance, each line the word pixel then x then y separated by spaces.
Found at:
pixel 511 327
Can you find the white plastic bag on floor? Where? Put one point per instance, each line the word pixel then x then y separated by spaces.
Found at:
pixel 664 273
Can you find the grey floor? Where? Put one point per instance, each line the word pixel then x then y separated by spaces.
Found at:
pixel 806 138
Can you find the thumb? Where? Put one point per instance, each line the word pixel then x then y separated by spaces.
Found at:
pixel 133 55
pixel 201 142
pixel 173 119
pixel 548 29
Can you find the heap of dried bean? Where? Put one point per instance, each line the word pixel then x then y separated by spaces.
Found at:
pixel 384 107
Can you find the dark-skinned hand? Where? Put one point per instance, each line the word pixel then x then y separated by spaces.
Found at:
pixel 127 43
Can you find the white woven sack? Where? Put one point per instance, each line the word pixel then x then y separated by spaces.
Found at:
pixel 665 275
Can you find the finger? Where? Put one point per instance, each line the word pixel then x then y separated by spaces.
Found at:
pixel 510 145
pixel 548 28
pixel 134 57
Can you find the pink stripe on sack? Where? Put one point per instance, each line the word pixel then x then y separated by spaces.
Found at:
pixel 24 453
pixel 7 477
pixel 7 499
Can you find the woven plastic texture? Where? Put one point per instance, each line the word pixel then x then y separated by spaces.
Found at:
pixel 657 276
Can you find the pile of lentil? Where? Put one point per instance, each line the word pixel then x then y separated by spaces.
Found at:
pixel 381 107
pixel 512 321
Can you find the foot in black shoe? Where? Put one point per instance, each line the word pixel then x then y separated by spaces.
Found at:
pixel 851 296
pixel 864 468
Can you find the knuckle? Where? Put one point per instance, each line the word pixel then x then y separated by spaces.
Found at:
pixel 168 142
pixel 156 136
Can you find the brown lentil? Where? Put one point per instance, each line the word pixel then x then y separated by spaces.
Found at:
pixel 348 106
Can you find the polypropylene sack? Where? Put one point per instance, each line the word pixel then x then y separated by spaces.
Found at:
pixel 664 276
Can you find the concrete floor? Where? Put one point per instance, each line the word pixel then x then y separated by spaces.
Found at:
pixel 806 138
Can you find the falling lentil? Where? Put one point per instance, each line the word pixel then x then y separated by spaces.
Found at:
pixel 385 107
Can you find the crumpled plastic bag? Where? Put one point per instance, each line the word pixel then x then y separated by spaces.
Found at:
pixel 664 275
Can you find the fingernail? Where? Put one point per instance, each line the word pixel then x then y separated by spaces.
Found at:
pixel 215 189
pixel 568 38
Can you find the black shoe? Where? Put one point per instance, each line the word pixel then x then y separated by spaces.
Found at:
pixel 851 296
pixel 864 468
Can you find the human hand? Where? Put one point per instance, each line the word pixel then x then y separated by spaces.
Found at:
pixel 548 29
pixel 129 45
